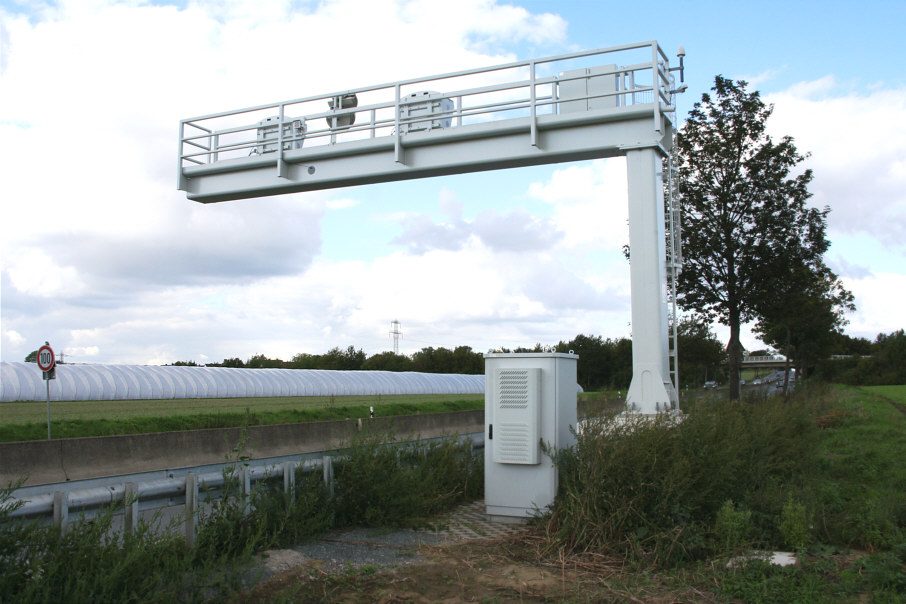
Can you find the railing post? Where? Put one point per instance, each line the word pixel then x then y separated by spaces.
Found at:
pixel 180 179
pixel 533 101
pixel 60 510
pixel 130 513
pixel 281 164
pixel 656 89
pixel 191 508
pixel 397 142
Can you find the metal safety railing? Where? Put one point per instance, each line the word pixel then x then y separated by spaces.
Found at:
pixel 130 495
pixel 588 80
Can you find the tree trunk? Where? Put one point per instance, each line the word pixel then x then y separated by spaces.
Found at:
pixel 786 365
pixel 734 354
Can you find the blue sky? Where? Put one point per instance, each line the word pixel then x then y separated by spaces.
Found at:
pixel 103 257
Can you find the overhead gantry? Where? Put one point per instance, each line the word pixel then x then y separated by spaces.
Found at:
pixel 602 103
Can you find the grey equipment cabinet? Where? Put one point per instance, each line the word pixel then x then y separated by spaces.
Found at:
pixel 529 398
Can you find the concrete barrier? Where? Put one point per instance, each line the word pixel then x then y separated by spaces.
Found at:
pixel 60 460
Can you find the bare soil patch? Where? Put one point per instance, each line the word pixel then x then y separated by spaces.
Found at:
pixel 499 569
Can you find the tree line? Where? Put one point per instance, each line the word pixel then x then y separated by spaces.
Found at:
pixel 604 363
pixel 461 359
pixel 878 363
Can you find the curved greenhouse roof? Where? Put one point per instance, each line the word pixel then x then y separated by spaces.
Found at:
pixel 23 382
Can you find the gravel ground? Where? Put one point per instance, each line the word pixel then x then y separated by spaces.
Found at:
pixel 339 551
pixel 344 550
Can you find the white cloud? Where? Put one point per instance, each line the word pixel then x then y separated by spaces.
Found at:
pixel 591 203
pixel 104 256
pixel 342 204
pixel 857 142
pixel 13 337
pixel 756 80
pixel 35 273
pixel 514 231
pixel 879 300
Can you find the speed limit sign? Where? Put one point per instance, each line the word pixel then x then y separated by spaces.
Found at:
pixel 46 359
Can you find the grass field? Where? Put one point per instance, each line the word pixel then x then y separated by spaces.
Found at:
pixel 70 419
pixel 895 394
pixel 36 411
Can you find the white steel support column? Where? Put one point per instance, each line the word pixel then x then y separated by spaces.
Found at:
pixel 650 390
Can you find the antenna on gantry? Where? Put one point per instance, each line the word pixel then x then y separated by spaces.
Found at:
pixel 396 333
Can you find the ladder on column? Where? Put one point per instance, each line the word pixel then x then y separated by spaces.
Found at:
pixel 673 229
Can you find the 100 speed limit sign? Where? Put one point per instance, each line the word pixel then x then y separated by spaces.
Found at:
pixel 46 359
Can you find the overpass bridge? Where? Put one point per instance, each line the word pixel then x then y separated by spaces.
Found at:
pixel 764 362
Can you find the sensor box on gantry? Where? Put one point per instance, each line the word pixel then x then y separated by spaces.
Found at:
pixel 268 134
pixel 588 89
pixel 425 104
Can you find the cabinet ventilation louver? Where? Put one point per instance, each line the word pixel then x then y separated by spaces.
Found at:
pixel 518 416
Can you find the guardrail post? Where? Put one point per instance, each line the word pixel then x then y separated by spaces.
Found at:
pixel 245 487
pixel 191 508
pixel 327 465
pixel 130 513
pixel 60 510
pixel 289 478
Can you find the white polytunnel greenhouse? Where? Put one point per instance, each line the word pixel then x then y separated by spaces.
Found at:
pixel 24 382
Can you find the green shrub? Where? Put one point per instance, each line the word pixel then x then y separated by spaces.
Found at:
pixel 732 527
pixel 652 488
pixel 380 484
pixel 88 562
pixel 794 525
pixel 289 518
pixel 766 583
pixel 391 485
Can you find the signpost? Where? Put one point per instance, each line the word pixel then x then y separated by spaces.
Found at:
pixel 48 364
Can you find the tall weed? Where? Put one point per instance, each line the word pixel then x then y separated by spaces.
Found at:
pixel 382 485
pixel 89 563
pixel 652 487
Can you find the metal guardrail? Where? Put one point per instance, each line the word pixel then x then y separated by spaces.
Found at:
pixel 189 487
pixel 520 89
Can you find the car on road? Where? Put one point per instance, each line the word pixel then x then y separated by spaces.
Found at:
pixel 710 384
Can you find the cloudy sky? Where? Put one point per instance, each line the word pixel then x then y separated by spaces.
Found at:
pixel 104 258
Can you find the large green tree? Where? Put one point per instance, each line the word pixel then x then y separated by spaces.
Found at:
pixel 388 361
pixel 603 363
pixel 444 360
pixel 700 352
pixel 743 198
pixel 802 313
